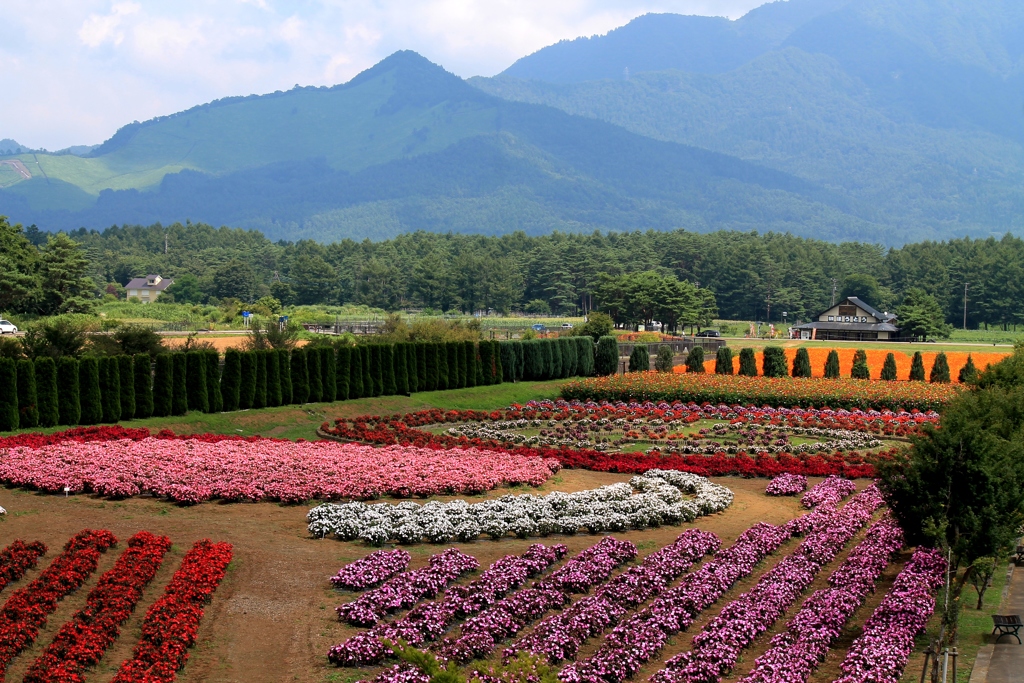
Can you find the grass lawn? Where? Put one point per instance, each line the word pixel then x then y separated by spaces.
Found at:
pixel 301 421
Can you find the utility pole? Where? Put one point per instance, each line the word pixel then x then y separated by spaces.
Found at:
pixel 965 305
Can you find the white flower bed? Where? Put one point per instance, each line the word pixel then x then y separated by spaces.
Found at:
pixel 648 500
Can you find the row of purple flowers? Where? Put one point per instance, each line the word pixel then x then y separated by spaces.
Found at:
pixel 372 570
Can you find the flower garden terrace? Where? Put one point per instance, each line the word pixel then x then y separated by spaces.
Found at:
pixel 711 440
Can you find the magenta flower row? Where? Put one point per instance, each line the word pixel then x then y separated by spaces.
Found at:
pixel 429 621
pixel 793 655
pixel 716 649
pixel 372 570
pixel 560 636
pixel 786 485
pixel 408 588
pixel 831 490
pixel 880 654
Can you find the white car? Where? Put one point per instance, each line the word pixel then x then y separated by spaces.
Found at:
pixel 566 326
pixel 7 327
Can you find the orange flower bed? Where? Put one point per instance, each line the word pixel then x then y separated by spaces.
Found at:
pixel 876 358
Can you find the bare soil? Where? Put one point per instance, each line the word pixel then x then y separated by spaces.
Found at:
pixel 272 619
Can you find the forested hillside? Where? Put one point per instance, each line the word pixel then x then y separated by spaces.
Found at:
pixel 561 272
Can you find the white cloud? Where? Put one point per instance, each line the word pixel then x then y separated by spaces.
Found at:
pixel 81 68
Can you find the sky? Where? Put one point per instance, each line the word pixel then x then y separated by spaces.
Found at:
pixel 73 71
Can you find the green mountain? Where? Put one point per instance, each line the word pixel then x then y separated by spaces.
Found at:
pixel 406 146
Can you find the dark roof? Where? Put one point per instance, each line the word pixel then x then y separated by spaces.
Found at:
pixel 143 283
pixel 870 309
pixel 856 327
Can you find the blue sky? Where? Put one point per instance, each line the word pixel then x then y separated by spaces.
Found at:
pixel 73 71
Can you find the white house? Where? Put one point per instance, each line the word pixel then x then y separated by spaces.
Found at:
pixel 851 320
pixel 147 289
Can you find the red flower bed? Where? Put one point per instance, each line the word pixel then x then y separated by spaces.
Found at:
pixel 172 622
pixel 27 609
pixel 113 432
pixel 17 558
pixel 81 641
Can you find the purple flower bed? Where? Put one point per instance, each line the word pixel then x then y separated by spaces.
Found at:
pixel 430 621
pixel 880 654
pixel 561 635
pixel 372 570
pixel 786 485
pixel 408 588
pixel 795 654
pixel 717 647
pixel 831 490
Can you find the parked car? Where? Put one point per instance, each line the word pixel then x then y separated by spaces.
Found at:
pixel 566 326
pixel 708 333
pixel 7 327
pixel 539 327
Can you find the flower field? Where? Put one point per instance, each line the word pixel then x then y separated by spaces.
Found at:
pixel 769 391
pixel 876 359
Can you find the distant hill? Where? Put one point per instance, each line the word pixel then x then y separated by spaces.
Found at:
pixel 405 146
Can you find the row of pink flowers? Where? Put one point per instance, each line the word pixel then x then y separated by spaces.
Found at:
pixel 408 588
pixel 429 621
pixel 716 649
pixel 786 485
pixel 191 471
pixel 372 570
pixel 831 490
pixel 560 636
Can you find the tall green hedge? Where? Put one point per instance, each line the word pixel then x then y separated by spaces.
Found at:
pixel 389 383
pixel 801 363
pixel 889 371
pixel 230 380
pixel 473 370
pixel 860 368
pixel 606 357
pixel 377 365
pixel 464 353
pixel 247 381
pixel 163 387
pixel 46 392
pixel 508 361
pixel 748 363
pixel 367 371
pixel 355 378
pixel 486 363
pixel 329 373
pixel 259 395
pixel 142 381
pixel 300 377
pixel 342 370
pixel 774 362
pixel 420 351
pixel 274 396
pixel 214 400
pixel 430 352
pixel 68 402
pixel 832 365
pixel 442 365
pixel 723 361
pixel 694 360
pixel 179 395
pixel 284 359
pixel 195 372
pixel 584 355
pixel 553 358
pixel 401 363
pixel 110 388
pixel 126 374
pixel 455 380
pixel 315 372
pixel 89 391
pixel 28 400
pixel 640 359
pixel 939 373
pixel 917 367
pixel 518 346
pixel 9 418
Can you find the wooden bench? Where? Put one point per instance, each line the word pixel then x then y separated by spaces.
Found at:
pixel 1018 555
pixel 1007 625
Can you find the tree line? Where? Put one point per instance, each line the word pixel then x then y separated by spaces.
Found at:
pixel 751 276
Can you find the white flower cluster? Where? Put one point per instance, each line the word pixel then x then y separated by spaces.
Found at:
pixel 651 499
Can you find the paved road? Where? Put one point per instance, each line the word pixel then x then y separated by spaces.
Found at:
pixel 1007 663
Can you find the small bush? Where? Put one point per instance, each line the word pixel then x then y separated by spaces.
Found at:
pixel 802 363
pixel 606 356
pixel 584 356
pixel 940 370
pixel 748 363
pixel 917 367
pixel 774 360
pixel 723 361
pixel 640 359
pixel 969 372
pixel 663 361
pixel 695 360
pixel 860 365
pixel 889 368
pixel 832 365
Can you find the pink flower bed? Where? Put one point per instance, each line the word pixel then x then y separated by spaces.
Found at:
pixel 786 485
pixel 191 471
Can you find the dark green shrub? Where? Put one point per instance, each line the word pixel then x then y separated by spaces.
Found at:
pixel 472 363
pixel 832 365
pixel 420 349
pixel 46 392
pixel 723 361
pixel 259 396
pixel 939 373
pixel 400 357
pixel 377 366
pixel 606 357
pixel 917 367
pixel 284 357
pixel 802 363
pixel 273 378
pixel 163 387
pixel 412 367
pixel 367 371
pixel 195 376
pixel 179 397
pixel 89 390
pixel 695 360
pixel 214 401
pixel 314 374
pixel 454 375
pixel 442 366
pixel 774 362
pixel 230 380
pixel 68 401
pixel 860 365
pixel 343 368
pixel 110 388
pixel 531 359
pixel 889 368
pixel 355 378
pixel 518 346
pixel 584 356
pixel 478 364
pixel 497 370
pixel 300 377
pixel 748 363
pixel 554 359
pixel 431 376
pixel 663 359
pixel 126 373
pixel 568 348
pixel 968 373
pixel 486 362
pixel 387 361
pixel 247 386
pixel 142 381
pixel 640 359
pixel 329 372
pixel 508 361
pixel 8 399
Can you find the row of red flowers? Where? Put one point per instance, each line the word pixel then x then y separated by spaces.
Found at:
pixel 25 612
pixel 114 432
pixel 83 639
pixel 171 624
pixel 18 558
